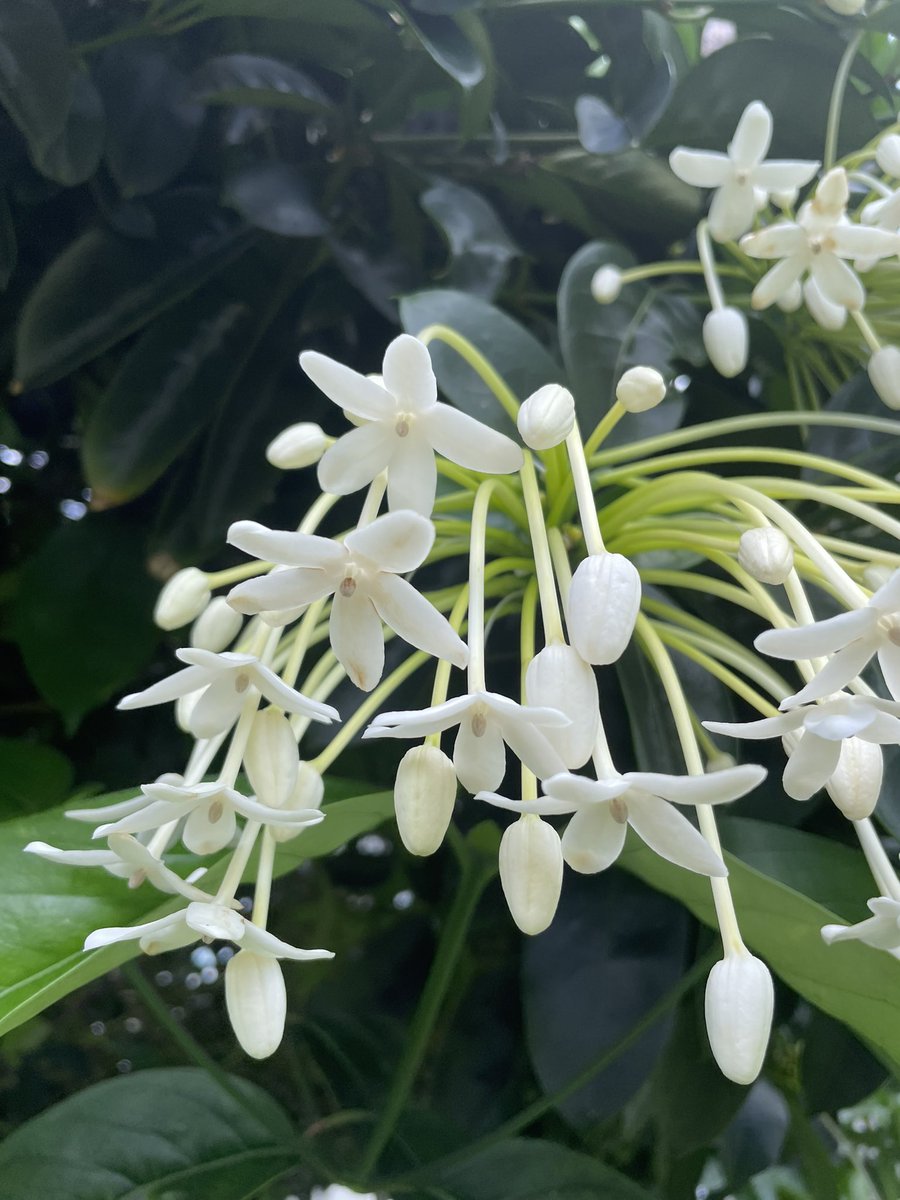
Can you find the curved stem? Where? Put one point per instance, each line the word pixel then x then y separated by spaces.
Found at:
pixel 836 105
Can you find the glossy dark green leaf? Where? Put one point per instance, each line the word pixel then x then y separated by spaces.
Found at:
pixel 168 387
pixel 103 287
pixel 8 243
pixel 33 777
pixel 449 46
pixel 35 80
pixel 345 14
pixel 74 155
pixel 600 130
pixel 48 909
pixel 255 79
pixel 163 1133
pixel 836 1069
pixel 623 967
pixel 480 247
pixel 514 352
pixel 152 120
pixel 445 6
pixel 274 197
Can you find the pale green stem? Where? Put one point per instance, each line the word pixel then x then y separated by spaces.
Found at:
pixel 870 337
pixel 238 864
pixel 604 427
pixel 263 891
pixel 477 362
pixel 319 688
pixel 689 645
pixel 678 267
pixel 526 654
pixel 584 493
pixel 873 184
pixel 372 503
pixel 476 675
pixel 218 579
pixel 879 864
pixel 836 104
pixel 543 565
pixel 708 262
pixel 301 642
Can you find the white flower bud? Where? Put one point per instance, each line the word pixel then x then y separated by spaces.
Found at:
pixel 888 154
pixel 424 796
pixel 740 998
pixel 271 758
pixel 884 372
pixel 182 598
pixel 726 337
pixel 216 627
pixel 847 8
pixel 558 677
pixel 184 706
pixel 855 784
pixel 606 284
pixel 823 311
pixel 640 388
pixel 832 194
pixel 603 606
pixel 297 446
pixel 766 554
pixel 546 417
pixel 309 792
pixel 531 871
pixel 791 300
pixel 256 1000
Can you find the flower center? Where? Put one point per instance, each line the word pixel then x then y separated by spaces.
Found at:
pixel 479 724
pixel 891 627
pixel 241 682
pixel 403 424
pixel 619 810
pixel 741 176
pixel 214 812
pixel 347 585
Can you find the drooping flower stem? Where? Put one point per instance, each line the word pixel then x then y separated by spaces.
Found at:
pixel 263 891
pixel 476 586
pixel 584 493
pixel 553 631
pixel 710 277
pixel 879 864
pixel 476 360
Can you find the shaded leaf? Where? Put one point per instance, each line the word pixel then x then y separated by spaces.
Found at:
pixel 449 46
pixel 481 248
pixel 348 14
pixel 600 131
pixel 255 79
pixel 73 156
pixel 274 196
pixel 35 80
pixel 837 1070
pixel 32 777
pixel 172 1131
pixel 8 243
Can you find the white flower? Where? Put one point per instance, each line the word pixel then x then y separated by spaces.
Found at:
pixel 424 797
pixel 604 600
pixel 881 930
pixel 821 729
pixel 740 999
pixel 134 860
pixel 766 554
pixel 183 598
pixel 851 637
pixel 336 1191
pixel 640 389
pixel 364 575
pixel 486 720
pixel 726 338
pixel 225 679
pixel 405 425
pixel 604 807
pixel 256 1001
pixel 818 242
pixel 606 284
pixel 297 446
pixel 216 627
pixel 740 175
pixel 546 417
pixel 531 872
pixel 884 373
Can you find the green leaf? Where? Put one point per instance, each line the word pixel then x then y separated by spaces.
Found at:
pixel 531 1169
pixel 345 14
pixel 274 196
pixel 481 248
pixel 450 47
pixel 255 79
pixel 515 353
pixel 74 155
pixel 32 777
pixel 164 1133
pixel 35 80
pixel 8 244
pixel 47 910
pixel 103 287
pixel 167 388
pixel 786 886
pixel 83 642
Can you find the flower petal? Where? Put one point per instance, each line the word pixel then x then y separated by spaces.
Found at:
pixel 508 710
pixel 883 731
pixel 288 547
pixel 347 388
pixel 357 638
pixel 756 730
pixel 107 812
pixel 356 458
pixel 471 443
pixel 732 210
pixel 778 241
pixel 672 836
pixel 887 599
pixel 542 807
pixel 408 374
pixel 581 792
pixel 412 476
pixel 810 766
pixel 752 137
pixel 260 941
pixel 397 541
pixel 216 710
pixel 277 692
pixel 416 620
pixel 700 168
pixel 843 666
pixel 829 722
pixel 855 241
pixel 209 828
pixel 105 937
pixel 291 589
pixel 837 281
pixel 782 175
pixel 718 787
pixel 479 760
pixel 593 840
pixel 779 280
pixel 533 748
pixel 419 722
pixel 820 638
pixel 889 661
pixel 73 858
pixel 172 688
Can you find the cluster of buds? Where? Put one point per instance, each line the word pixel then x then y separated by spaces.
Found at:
pixel 524 526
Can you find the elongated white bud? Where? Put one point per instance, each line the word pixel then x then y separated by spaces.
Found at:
pixel 766 554
pixel 531 871
pixel 888 154
pixel 856 783
pixel 546 417
pixel 726 337
pixel 216 627
pixel 640 388
pixel 183 598
pixel 271 758
pixel 884 372
pixel 606 284
pixel 603 606
pixel 823 311
pixel 256 1000
pixel 297 446
pixel 558 677
pixel 424 796
pixel 309 792
pixel 740 998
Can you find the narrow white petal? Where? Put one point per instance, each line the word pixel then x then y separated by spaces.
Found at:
pixel 479 758
pixel 718 787
pixel 854 241
pixel 782 175
pixel 732 210
pixel 107 812
pixel 422 721
pixel 508 710
pixel 580 792
pixel 881 932
pixel 883 731
pixel 810 766
pixel 290 589
pixel 209 828
pixel 397 541
pixel 347 388
pixel 151 816
pixel 889 661
pixel 408 374
pixel 845 665
pixel 277 692
pixel 830 722
pixel 813 641
pixel 779 280
pixel 177 685
pixel 215 921
pixel 416 620
pixel 756 730
pixel 260 941
pixel 471 443
pixel 887 599
pixel 778 241
pixel 287 547
pixel 137 856
pixel 357 638
pixel 752 137
pixel 264 813
pixel 542 807
pixel 837 281
pixel 412 477
pixel 700 168
pixel 593 840
pixel 105 937
pixel 828 315
pixel 356 458
pixel 532 747
pixel 73 858
pixel 672 836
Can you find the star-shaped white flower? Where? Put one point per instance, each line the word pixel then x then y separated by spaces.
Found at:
pixel 881 930
pixel 225 679
pixel 486 720
pixel 127 858
pixel 852 638
pixel 741 177
pixel 364 575
pixel 404 425
pixel 818 242
pixel 209 921
pixel 603 808
pixel 821 730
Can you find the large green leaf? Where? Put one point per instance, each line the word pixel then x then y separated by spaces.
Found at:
pixel 274 196
pixel 8 244
pixel 161 1134
pixel 786 886
pixel 73 156
pixel 255 79
pixel 32 777
pixel 35 80
pixel 446 41
pixel 48 910
pixel 480 247
pixel 348 14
